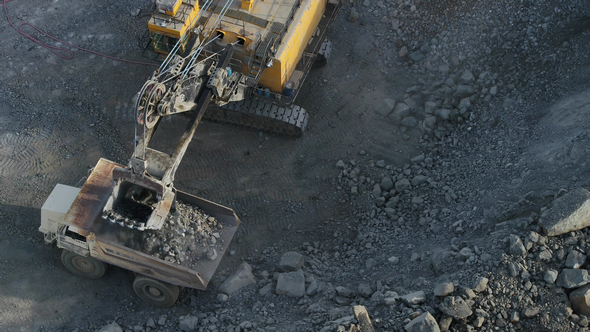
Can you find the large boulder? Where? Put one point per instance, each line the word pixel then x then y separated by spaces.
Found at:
pixel 572 278
pixel 291 261
pixel 569 212
pixel 423 323
pixel 580 299
pixel 291 284
pixel 188 323
pixel 240 278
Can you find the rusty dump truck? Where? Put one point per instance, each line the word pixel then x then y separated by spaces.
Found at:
pixel 71 218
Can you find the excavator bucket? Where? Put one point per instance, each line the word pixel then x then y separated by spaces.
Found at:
pixel 137 201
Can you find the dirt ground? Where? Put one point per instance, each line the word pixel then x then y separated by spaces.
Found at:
pixel 59 116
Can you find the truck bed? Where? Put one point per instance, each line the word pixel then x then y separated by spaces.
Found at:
pixel 115 244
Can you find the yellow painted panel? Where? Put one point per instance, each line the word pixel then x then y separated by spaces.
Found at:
pixel 289 53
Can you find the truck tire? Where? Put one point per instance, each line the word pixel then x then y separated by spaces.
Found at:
pixel 155 292
pixel 83 266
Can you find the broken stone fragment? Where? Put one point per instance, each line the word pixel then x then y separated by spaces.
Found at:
pixel 444 289
pixel 291 284
pixel 456 307
pixel 423 323
pixel 572 278
pixel 291 261
pixel 414 298
pixel 480 284
pixel 575 259
pixel 580 299
pixel 188 323
pixel 570 212
pixel 240 278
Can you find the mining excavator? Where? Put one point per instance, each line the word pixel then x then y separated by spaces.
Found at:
pixel 237 62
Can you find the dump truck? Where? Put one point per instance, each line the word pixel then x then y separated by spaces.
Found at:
pixel 71 219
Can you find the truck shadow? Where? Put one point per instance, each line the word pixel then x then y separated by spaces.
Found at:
pixel 36 290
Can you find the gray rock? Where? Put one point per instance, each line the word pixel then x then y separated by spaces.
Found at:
pixel 150 323
pixel 529 312
pixel 464 105
pixel 340 164
pixel 445 114
pixel 402 185
pixel 516 246
pixel 417 159
pixel 135 12
pixel 291 284
pixel 572 278
pixel 550 276
pixel 414 298
pixel 412 104
pixel 445 323
pixel 455 306
pixel 430 123
pixel 444 289
pixel 416 56
pixel 112 327
pixel 480 284
pixel 580 299
pixel 423 323
pixel 545 255
pixel 494 90
pixel 365 290
pixel 513 269
pixel 430 107
pixel 400 111
pixel 467 77
pixel 162 320
pixel 343 291
pixel 575 259
pixel 418 180
pixel 464 91
pixel 291 261
pixel 570 212
pixel 240 278
pixel 222 297
pixel 376 190
pixel 265 290
pixel 393 259
pixel 386 183
pixel 403 52
pixel 353 16
pixel 312 288
pixel 409 121
pixel 188 323
pixel 387 108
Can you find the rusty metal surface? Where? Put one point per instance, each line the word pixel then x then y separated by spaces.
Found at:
pixel 87 206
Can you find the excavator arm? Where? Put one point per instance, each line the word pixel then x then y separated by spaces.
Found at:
pixel 143 192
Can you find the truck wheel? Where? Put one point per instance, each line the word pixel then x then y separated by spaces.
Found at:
pixel 83 266
pixel 155 292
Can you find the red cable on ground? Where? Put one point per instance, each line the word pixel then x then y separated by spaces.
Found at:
pixel 58 50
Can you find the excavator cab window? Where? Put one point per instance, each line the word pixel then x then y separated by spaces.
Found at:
pixel 241 41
